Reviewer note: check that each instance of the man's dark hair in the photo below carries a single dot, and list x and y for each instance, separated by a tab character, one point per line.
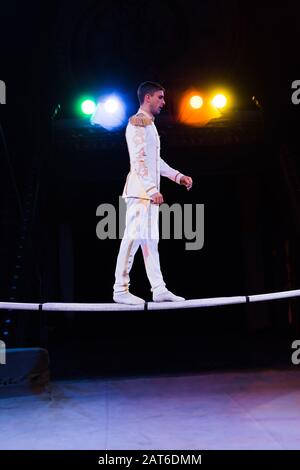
148	87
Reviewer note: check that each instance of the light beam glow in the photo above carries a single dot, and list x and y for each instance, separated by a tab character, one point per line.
219	101
109	113
88	107
196	102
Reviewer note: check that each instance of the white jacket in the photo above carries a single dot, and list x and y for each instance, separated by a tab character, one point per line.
146	165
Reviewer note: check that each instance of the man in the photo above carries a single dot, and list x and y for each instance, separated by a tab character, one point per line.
142	196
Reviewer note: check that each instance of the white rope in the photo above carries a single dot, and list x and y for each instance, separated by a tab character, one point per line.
113	307
18	306
275	295
52	307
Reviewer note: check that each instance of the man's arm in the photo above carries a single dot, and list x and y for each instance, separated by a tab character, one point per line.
174	175
168	172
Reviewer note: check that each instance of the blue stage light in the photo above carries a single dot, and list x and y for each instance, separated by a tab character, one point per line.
109	113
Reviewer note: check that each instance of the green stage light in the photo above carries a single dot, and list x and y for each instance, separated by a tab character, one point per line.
88	107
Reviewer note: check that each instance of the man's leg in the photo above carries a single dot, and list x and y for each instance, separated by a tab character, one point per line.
128	248
149	245
152	265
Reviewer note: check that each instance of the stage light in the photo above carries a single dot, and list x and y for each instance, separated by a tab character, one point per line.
88	107
195	108
109	113
196	102
219	101
111	105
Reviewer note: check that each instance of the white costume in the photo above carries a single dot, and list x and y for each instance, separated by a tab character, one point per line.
142	182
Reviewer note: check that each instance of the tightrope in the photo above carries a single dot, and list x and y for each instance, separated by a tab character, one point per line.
113	307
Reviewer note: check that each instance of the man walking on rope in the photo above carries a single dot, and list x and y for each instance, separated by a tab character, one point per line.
142	196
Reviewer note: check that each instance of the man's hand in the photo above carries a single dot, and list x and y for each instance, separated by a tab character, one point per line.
187	182
157	198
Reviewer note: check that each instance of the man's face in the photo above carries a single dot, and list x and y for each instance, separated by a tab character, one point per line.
156	102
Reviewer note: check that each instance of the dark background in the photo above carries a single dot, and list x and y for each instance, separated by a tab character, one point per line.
56	170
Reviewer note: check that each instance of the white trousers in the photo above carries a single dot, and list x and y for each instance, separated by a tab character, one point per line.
141	229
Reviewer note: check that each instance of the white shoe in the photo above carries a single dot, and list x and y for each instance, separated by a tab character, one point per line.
127	298
167	296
